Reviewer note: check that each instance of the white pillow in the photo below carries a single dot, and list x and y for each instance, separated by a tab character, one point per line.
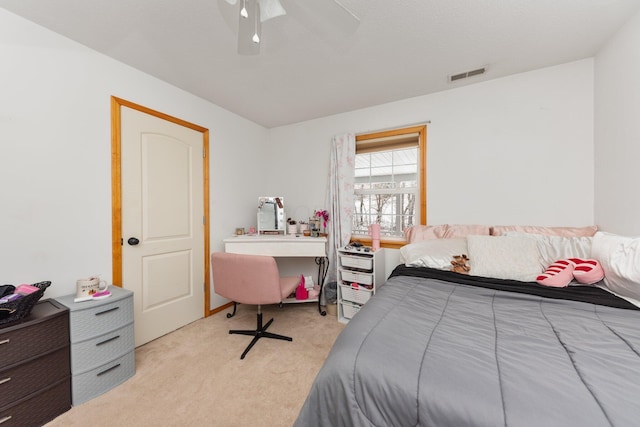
504	257
554	248
620	259
433	253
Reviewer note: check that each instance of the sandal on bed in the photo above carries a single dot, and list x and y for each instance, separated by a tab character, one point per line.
588	271
559	274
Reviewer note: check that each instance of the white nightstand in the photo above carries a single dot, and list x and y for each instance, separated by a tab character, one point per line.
360	272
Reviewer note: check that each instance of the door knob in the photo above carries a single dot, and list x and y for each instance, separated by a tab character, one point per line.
133	241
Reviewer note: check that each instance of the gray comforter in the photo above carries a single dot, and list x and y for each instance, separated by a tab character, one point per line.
429	352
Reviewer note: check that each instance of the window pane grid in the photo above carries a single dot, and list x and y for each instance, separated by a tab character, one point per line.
385	191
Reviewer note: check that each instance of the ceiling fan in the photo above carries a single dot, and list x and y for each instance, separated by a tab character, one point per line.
251	14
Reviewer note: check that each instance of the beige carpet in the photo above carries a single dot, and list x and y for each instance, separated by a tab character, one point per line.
194	376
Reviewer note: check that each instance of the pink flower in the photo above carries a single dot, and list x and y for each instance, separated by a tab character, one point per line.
324	215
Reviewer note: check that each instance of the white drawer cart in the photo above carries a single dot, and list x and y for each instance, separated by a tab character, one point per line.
102	343
360	273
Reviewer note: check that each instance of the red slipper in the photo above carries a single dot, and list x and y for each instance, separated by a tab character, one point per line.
588	272
559	274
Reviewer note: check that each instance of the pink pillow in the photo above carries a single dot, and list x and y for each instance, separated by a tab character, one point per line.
418	233
464	230
558	275
562	272
588	271
499	230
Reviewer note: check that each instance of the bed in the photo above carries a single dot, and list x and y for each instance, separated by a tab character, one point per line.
438	348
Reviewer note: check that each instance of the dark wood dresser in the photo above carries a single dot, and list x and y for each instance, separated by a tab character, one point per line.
35	370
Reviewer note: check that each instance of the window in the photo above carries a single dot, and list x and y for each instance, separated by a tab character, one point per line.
390	181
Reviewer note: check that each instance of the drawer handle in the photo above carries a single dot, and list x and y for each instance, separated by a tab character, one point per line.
108	340
108	370
5	341
107	311
5	419
5	380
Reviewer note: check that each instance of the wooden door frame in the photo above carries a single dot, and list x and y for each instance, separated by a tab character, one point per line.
116	190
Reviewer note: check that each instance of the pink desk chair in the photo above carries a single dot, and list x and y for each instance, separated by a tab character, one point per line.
251	279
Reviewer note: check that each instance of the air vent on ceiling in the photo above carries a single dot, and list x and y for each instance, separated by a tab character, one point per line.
460	76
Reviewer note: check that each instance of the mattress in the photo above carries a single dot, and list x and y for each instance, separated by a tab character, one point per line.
436	348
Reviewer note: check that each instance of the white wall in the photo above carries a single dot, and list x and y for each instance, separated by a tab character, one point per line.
55	164
514	150
617	131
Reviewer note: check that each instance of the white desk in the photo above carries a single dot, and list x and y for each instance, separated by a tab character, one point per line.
277	246
284	246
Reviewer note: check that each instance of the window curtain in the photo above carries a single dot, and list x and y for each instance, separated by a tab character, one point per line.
339	200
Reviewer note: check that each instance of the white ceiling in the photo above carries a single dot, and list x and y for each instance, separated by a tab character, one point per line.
308	68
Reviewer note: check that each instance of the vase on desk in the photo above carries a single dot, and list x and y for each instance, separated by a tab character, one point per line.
374	232
292	228
314	225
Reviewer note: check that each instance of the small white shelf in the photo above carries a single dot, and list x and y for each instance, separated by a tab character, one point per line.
296	301
360	274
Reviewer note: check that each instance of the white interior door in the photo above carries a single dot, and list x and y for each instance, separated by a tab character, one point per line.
162	222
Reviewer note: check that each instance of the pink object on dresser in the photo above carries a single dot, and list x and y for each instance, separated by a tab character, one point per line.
26	289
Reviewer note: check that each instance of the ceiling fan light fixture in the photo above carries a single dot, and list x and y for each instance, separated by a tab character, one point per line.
270	9
249	30
256	37
243	11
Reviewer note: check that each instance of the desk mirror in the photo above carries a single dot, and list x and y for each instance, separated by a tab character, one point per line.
271	214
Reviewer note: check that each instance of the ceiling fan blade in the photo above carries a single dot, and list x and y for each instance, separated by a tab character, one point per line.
270	9
328	19
342	17
322	16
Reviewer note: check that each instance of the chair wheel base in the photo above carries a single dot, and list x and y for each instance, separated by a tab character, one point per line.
259	332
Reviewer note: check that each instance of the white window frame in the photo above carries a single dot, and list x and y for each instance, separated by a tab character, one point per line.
383	141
